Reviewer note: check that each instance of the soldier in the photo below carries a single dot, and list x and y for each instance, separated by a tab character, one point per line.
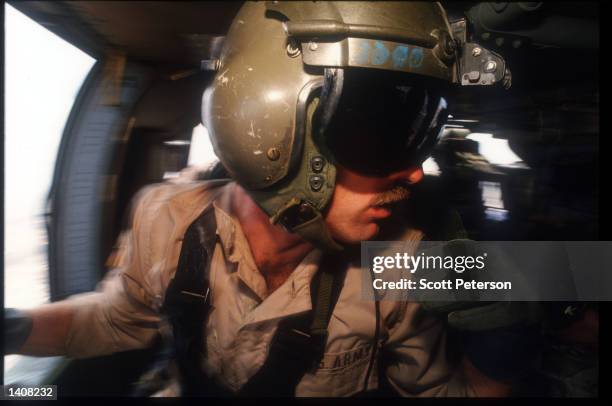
321	113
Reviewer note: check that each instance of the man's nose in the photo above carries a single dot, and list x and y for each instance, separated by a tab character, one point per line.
410	175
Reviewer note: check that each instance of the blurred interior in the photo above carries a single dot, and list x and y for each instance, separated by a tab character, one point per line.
518	164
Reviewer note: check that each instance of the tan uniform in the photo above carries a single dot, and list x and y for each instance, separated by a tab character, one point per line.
124	313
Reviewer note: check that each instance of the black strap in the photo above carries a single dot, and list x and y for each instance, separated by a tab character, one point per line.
187	304
299	342
296	348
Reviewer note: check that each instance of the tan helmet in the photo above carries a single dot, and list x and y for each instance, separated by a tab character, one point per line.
291	76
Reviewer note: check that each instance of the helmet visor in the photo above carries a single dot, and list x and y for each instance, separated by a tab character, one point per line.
384	121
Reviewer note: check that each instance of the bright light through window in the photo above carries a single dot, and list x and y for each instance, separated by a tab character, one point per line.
43	74
430	167
495	150
201	153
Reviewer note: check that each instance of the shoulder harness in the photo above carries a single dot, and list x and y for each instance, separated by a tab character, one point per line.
296	348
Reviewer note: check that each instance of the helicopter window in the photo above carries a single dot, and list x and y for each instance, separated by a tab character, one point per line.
43	74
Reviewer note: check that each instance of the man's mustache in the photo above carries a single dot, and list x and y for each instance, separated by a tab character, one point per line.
398	193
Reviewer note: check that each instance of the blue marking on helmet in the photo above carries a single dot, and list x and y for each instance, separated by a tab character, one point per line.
380	55
400	56
416	57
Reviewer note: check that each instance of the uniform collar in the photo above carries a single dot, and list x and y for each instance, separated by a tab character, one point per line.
238	253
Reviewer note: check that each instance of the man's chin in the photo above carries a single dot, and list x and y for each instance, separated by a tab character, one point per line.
364	233
373	233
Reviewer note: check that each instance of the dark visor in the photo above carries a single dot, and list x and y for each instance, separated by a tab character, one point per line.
384	121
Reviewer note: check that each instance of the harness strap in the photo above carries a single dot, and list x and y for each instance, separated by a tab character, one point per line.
322	306
296	348
187	304
299	342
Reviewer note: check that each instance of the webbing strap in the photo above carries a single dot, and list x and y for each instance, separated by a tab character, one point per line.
299	342
296	348
187	305
322	306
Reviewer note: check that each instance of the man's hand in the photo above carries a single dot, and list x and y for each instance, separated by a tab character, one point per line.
583	331
482	385
499	339
50	325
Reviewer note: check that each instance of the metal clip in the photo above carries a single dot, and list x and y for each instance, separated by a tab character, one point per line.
479	66
203	297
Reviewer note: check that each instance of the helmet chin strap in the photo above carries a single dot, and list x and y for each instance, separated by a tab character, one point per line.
298	203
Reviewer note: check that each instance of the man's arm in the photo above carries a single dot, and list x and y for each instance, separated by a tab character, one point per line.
120	315
50	326
418	360
91	324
